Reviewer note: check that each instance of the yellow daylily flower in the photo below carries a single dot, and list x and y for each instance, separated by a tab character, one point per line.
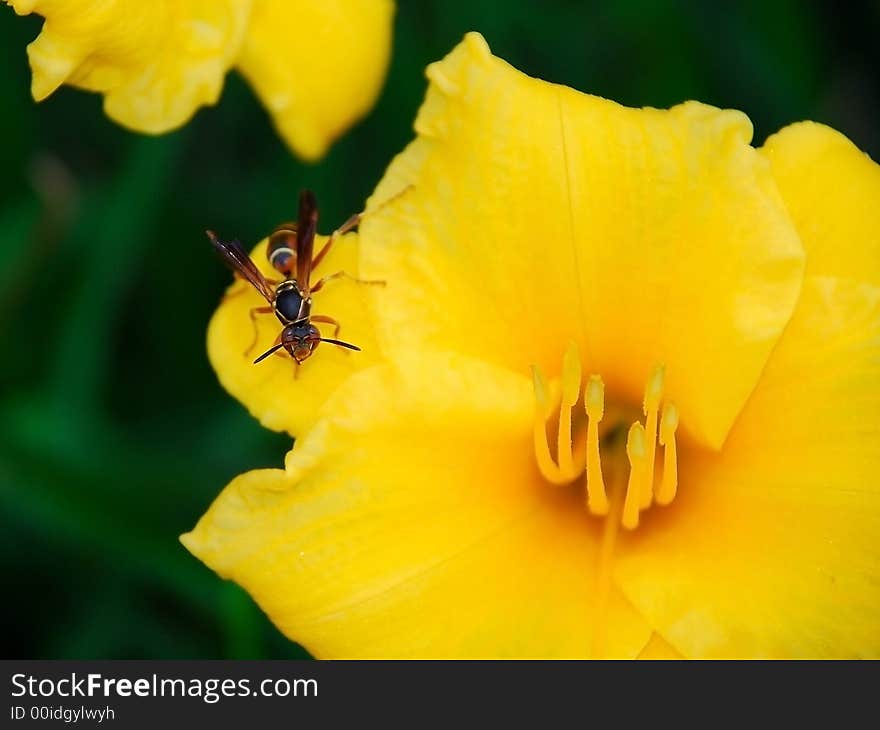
626	400
317	67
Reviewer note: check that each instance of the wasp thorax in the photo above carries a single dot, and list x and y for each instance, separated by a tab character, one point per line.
290	306
300	340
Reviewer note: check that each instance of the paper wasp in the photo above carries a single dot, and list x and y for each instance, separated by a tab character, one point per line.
290	250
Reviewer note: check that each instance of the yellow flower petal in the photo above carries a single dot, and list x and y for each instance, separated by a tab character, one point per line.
155	62
770	548
657	648
540	215
317	66
832	191
268	389
412	523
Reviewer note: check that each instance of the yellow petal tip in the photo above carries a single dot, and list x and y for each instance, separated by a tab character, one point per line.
477	45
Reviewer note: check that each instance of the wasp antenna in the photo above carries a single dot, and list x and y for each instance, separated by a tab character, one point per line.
267	353
342	344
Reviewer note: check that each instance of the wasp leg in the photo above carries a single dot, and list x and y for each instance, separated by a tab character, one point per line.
253	315
324	319
343	274
343	229
349	225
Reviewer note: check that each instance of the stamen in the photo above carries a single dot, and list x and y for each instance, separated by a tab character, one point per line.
650	406
543	410
594	402
636	452
544	407
564	466
669	483
571	390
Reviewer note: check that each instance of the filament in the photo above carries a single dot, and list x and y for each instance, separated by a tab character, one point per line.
669	482
594	402
650	406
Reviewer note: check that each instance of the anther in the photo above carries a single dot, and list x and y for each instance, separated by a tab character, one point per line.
636	453
594	402
650	406
669	483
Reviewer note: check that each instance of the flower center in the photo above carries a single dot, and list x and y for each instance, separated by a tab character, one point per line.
583	455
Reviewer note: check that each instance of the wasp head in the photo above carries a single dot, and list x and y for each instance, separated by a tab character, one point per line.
300	340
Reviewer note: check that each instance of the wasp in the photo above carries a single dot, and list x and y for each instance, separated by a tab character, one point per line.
290	252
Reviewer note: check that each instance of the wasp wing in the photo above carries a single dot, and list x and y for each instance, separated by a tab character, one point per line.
237	259
307	225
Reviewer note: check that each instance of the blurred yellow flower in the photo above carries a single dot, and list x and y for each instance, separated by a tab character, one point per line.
625	399
316	66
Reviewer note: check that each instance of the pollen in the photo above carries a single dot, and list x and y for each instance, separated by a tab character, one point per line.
584	451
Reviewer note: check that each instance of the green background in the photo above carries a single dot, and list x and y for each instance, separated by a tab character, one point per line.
114	434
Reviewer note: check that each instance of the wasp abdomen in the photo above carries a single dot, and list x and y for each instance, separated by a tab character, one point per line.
282	247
